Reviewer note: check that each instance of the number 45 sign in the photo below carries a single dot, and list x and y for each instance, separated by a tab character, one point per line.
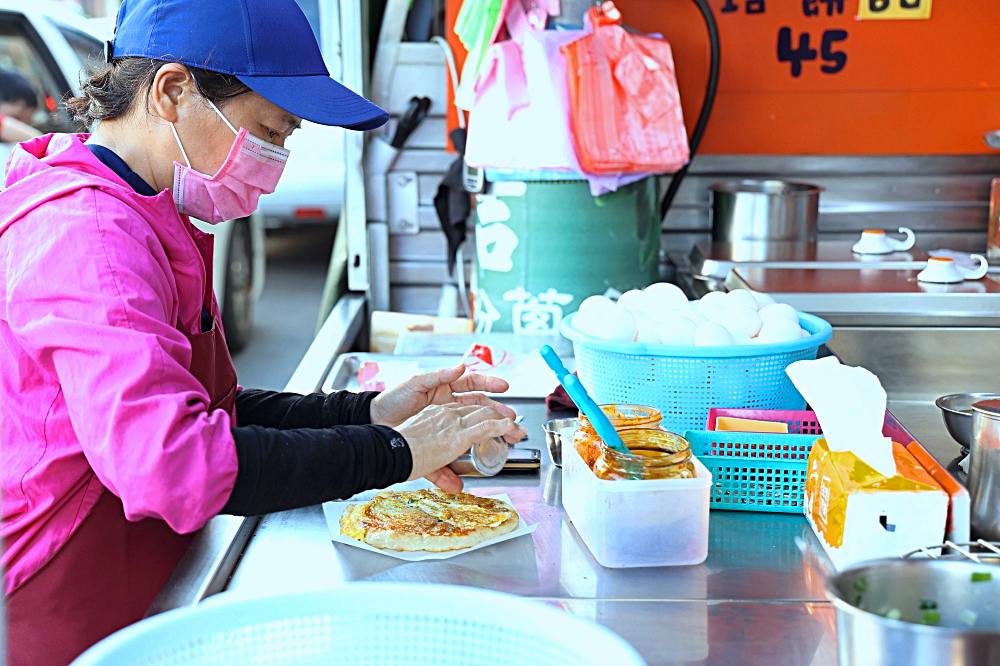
893	9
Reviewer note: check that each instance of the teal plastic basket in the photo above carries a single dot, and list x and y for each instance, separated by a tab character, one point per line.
683	382
754	471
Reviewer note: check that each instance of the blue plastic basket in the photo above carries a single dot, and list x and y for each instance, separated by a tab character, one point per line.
683	382
754	471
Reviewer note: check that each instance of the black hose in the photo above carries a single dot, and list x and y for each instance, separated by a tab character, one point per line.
706	107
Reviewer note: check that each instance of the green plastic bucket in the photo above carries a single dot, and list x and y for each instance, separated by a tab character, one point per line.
544	246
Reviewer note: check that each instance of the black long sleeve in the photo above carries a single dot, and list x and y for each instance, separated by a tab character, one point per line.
274	409
287	469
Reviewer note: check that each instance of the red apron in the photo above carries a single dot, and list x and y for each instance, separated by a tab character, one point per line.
108	573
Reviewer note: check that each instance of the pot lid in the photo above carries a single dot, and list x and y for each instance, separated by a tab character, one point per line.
989	408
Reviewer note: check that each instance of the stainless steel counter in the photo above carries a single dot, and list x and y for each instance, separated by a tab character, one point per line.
757	599
828	280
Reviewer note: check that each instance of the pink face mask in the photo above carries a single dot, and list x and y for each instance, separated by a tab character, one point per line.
252	168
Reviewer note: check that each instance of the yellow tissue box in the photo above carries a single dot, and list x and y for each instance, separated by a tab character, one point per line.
859	514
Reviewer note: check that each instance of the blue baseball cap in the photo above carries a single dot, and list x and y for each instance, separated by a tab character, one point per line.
266	44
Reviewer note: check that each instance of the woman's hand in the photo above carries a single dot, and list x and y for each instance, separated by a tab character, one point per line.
439	434
443	387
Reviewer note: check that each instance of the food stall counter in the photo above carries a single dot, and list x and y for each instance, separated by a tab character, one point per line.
758	596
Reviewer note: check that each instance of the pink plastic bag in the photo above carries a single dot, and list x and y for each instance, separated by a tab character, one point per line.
520	117
625	106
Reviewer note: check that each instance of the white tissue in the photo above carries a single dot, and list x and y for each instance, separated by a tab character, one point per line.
850	405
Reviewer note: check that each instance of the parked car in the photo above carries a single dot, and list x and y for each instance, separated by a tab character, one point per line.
50	45
312	187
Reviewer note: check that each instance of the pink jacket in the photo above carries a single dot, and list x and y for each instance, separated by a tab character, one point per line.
95	387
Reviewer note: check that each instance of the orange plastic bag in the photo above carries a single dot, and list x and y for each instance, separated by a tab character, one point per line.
625	108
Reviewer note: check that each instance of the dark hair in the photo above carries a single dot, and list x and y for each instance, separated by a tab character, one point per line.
15	88
110	91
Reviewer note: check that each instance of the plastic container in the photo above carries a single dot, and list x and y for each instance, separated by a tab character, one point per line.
683	382
367	624
626	523
758	471
754	471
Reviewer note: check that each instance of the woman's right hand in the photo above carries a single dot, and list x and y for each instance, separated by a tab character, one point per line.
439	434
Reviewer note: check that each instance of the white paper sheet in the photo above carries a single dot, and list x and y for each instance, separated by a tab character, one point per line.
334	510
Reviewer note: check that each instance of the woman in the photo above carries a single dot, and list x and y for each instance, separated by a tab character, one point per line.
122	426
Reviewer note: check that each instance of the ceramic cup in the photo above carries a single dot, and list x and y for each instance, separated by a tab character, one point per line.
876	241
944	270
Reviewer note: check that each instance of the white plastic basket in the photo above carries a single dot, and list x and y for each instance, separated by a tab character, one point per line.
367	624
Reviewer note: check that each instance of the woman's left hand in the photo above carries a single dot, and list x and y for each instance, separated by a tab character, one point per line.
451	385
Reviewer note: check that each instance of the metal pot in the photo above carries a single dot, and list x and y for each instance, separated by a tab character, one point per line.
984	469
764	210
965	595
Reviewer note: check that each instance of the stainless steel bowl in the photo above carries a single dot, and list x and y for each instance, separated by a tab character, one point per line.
917	612
957	411
557	433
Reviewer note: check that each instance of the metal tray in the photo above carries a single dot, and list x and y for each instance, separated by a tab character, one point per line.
343	374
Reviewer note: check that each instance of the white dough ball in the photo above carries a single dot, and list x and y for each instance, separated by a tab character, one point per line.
665	295
778	330
647	328
712	335
695	316
677	331
805	333
595	314
739	339
633	301
619	325
743	298
779	312
761	298
744	321
713	300
597	305
718	314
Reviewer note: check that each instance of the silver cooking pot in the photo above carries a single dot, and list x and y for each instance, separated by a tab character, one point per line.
984	469
764	210
917	612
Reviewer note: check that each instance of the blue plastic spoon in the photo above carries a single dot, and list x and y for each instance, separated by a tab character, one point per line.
578	394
